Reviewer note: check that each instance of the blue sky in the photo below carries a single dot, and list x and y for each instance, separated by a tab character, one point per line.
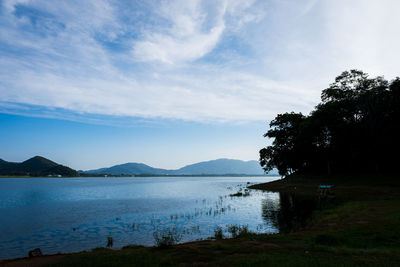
168	83
167	144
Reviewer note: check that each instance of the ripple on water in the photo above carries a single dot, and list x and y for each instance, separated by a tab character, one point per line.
68	215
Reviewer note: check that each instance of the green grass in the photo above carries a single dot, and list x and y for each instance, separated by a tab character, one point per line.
364	225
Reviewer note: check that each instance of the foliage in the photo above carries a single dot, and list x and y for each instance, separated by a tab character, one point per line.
354	129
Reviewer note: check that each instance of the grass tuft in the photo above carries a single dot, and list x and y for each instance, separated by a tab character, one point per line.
167	237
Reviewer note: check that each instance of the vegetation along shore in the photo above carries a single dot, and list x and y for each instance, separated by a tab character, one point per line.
358	227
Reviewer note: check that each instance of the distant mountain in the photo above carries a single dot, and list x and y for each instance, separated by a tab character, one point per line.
36	166
221	167
6	165
129	169
213	167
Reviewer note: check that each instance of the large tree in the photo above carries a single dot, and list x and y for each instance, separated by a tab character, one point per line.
354	129
285	149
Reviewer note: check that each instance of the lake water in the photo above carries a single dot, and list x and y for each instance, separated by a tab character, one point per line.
75	214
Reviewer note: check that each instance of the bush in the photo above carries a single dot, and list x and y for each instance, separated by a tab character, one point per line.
234	230
167	237
238	231
218	234
244	231
110	241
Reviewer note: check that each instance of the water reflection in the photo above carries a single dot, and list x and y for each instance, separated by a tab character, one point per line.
293	211
80	214
193	207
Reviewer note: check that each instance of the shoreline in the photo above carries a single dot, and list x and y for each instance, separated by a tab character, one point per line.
362	229
141	176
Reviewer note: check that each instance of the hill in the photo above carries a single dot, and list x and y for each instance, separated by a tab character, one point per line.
36	166
129	169
213	167
221	167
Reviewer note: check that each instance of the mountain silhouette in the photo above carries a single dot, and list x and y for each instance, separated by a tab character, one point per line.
212	167
36	166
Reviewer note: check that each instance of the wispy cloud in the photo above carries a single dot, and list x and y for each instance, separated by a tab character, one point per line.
189	35
204	61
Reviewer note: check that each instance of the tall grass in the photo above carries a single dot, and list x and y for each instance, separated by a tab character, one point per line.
218	233
110	241
167	237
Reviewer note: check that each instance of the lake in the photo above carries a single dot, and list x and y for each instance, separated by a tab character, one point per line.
75	214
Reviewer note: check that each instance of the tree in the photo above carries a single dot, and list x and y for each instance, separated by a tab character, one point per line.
285	129
354	129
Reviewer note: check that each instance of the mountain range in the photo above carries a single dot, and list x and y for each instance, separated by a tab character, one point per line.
36	166
212	167
40	166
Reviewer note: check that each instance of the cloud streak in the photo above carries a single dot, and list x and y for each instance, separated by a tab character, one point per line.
225	61
186	38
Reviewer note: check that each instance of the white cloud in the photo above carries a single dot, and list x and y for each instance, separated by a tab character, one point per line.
308	7
176	65
232	96
187	38
364	34
168	49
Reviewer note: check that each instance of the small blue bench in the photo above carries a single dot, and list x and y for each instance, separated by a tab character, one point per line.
326	186
327	191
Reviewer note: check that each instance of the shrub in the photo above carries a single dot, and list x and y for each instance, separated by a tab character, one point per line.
167	237
218	234
234	230
238	231
244	231
110	241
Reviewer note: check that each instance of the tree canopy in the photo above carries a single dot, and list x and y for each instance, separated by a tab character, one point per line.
355	128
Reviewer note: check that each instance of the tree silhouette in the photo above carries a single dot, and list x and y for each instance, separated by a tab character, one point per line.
355	128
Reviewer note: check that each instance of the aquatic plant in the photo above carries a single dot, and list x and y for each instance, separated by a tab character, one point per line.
238	231
238	194
167	237
233	230
244	231
110	241
218	233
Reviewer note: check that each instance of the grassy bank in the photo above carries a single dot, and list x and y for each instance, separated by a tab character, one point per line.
363	229
347	187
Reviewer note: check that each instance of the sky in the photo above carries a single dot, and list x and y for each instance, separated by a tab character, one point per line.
91	84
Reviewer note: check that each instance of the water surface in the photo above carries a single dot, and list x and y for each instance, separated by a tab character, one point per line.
75	214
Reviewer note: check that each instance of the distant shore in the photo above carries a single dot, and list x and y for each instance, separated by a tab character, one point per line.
139	175
11	176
